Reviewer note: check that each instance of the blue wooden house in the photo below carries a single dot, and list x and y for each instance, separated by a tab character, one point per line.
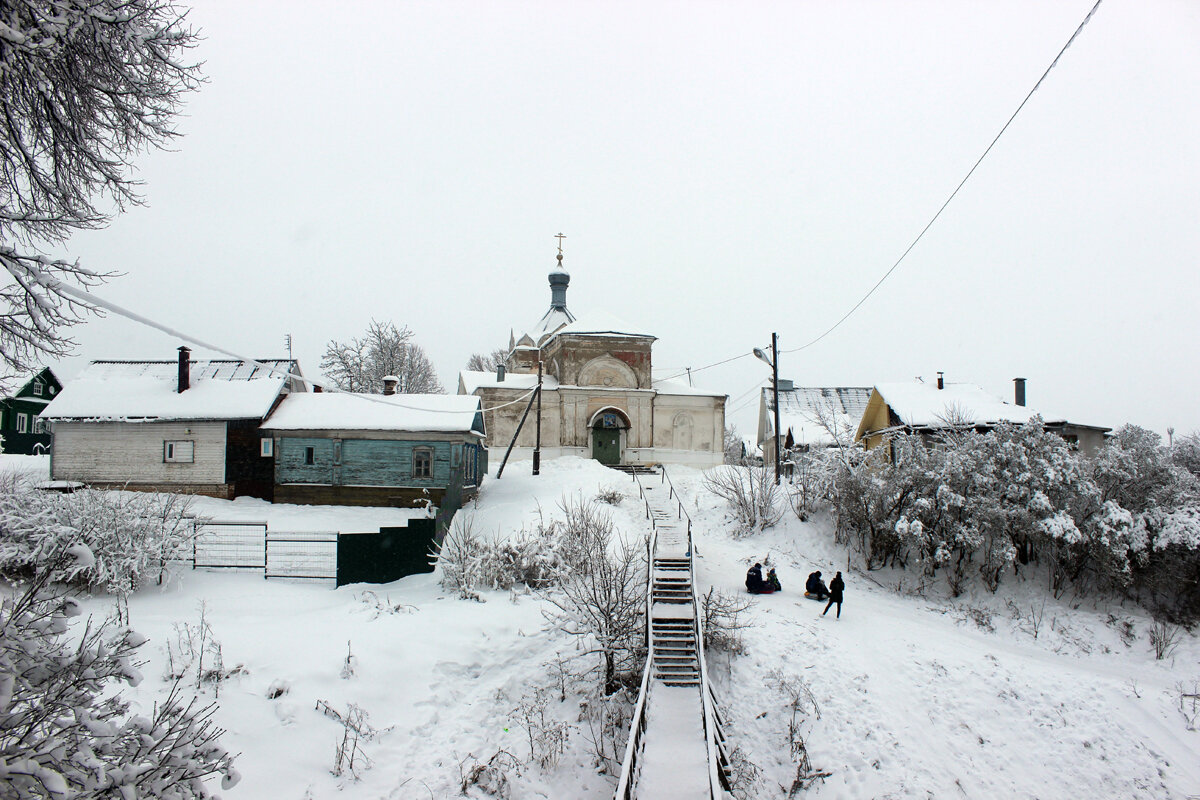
22	428
377	450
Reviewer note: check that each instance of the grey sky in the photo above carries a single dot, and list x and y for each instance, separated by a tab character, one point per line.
721	170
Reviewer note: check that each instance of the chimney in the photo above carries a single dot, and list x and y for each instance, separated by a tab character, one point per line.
185	369
499	373
1020	391
941	382
389	384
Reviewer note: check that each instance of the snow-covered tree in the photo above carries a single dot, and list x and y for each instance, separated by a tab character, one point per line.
478	362
360	365
85	85
64	731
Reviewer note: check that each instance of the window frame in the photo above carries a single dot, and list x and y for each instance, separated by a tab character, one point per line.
266	447
416	472
310	456
37	389
171	454
22	422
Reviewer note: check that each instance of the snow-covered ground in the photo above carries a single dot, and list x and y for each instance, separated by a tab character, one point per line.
918	696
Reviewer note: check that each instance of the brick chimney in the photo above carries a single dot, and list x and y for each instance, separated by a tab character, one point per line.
389	384
185	369
499	373
1020	391
941	382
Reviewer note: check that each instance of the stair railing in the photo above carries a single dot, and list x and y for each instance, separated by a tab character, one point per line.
645	501
679	500
637	726
718	781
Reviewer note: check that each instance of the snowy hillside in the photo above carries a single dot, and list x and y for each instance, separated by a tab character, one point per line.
1006	695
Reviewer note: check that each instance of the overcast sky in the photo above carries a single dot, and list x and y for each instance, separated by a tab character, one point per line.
721	170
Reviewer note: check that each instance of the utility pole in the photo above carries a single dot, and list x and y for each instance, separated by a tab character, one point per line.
773	361
775	391
537	445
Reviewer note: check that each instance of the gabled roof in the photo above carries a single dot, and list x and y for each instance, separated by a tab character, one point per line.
376	412
601	323
920	405
470	380
20	384
147	390
806	411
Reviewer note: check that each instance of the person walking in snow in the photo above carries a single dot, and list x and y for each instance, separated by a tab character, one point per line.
836	586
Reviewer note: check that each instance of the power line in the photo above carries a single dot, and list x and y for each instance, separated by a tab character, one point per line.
961	183
934	219
93	302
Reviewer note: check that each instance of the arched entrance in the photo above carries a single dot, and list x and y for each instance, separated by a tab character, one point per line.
608	430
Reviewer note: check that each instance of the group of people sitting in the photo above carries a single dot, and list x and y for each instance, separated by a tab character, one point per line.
757	584
814	587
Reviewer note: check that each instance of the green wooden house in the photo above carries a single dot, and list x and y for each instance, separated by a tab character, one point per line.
21	425
377	450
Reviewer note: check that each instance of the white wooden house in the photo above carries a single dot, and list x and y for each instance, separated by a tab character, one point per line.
180	426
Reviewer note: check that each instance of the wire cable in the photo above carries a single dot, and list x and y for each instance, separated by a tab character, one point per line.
961	183
95	303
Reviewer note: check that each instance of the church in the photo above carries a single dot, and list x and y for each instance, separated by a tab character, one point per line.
599	399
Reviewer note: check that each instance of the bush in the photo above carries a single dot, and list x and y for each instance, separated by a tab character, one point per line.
750	492
65	732
131	535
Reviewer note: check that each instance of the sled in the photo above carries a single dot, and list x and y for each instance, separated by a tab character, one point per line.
812	596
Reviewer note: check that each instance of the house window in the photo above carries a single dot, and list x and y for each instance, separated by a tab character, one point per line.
456	455
266	447
423	462
37	389
22	423
469	471
180	452
39	425
310	456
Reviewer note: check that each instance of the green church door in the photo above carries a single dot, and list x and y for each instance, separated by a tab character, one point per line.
606	445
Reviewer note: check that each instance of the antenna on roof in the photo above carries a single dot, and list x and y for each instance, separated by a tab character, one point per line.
287	340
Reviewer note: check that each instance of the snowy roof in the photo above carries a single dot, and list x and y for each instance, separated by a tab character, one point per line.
470	380
924	405
147	390
678	387
601	323
553	319
320	411
805	410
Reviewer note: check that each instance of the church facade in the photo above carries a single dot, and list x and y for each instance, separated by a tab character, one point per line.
599	397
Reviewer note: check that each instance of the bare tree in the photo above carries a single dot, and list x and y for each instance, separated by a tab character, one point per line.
360	365
84	86
478	362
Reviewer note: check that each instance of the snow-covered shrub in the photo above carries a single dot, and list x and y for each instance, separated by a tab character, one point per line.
131	535
977	505
546	735
751	493
64	732
610	495
605	603
196	654
722	622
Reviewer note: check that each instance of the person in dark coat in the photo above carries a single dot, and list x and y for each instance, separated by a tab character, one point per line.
815	586
773	581
754	579
836	587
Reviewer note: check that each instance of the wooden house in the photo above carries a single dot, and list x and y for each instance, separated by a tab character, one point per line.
22	427
377	449
809	417
177	426
929	410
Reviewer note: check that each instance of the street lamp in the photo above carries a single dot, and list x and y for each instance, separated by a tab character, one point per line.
773	362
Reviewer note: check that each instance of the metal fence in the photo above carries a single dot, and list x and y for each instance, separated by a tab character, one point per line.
251	546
